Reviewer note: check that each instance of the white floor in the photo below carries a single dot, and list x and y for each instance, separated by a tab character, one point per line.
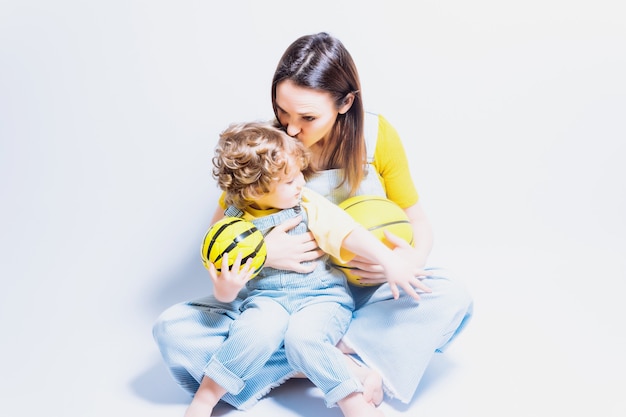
512	116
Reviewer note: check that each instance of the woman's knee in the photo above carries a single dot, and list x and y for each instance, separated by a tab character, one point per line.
456	293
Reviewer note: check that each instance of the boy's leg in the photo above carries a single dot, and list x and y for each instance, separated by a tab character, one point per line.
253	337
189	333
310	341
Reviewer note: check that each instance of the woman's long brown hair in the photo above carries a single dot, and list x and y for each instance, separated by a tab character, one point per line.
321	62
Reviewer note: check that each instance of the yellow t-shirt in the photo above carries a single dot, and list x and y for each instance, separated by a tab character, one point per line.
329	224
392	166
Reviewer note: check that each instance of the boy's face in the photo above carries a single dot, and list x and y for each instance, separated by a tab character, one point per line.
285	193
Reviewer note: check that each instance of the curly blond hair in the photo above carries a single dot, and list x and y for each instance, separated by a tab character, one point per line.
250	156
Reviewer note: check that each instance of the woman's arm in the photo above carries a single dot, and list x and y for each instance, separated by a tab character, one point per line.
291	252
285	251
422	234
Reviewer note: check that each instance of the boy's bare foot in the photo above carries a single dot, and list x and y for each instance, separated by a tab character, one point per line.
198	409
205	399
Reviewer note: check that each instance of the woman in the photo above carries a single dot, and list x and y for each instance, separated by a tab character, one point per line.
316	99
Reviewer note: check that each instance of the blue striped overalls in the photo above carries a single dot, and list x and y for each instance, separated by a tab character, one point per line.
308	312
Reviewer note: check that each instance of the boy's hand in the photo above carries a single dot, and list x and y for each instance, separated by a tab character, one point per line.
228	282
409	286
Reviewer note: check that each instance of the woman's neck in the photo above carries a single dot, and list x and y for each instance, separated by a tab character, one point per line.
318	159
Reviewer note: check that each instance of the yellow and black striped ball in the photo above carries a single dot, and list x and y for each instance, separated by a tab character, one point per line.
376	214
233	235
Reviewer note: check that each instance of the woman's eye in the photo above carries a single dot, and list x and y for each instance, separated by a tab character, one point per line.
309	118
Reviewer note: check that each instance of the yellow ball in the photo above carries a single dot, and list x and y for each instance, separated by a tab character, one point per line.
233	235
376	214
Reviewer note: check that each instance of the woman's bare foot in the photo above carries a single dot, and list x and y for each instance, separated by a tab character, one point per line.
371	380
344	347
354	405
373	388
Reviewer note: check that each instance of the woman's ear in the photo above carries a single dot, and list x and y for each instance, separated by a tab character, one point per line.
347	103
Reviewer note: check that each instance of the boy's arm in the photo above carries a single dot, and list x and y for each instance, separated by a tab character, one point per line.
398	271
342	237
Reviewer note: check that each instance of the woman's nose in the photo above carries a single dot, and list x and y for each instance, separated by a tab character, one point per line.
292	130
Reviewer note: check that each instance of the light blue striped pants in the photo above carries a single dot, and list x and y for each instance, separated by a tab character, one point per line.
309	319
398	338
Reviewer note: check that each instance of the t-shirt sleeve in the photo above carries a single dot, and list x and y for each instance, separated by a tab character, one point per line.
329	224
222	200
391	163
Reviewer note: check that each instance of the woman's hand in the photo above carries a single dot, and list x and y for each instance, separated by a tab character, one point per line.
229	281
288	252
372	274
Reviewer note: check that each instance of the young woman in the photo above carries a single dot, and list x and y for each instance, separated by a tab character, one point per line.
316	99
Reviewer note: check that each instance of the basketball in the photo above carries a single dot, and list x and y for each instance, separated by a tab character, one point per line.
376	214
233	235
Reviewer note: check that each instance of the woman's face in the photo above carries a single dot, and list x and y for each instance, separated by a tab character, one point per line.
306	114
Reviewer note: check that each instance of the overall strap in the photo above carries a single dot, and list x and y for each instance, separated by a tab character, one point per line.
371	134
267	223
232	211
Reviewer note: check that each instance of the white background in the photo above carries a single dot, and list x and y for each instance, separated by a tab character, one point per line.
513	116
